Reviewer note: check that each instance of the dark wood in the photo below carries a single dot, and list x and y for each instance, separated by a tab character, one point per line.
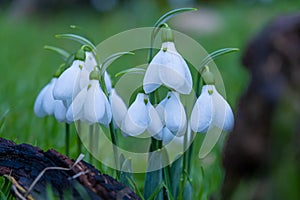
24	163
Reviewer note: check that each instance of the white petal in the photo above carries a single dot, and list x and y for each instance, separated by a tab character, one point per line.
137	117
60	111
94	105
174	72
160	108
201	116
175	116
151	79
84	78
223	116
155	125
106	119
167	136
90	61
108	83
38	108
48	100
75	110
118	107
67	85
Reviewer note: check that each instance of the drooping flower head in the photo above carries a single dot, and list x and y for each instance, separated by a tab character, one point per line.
211	109
91	105
46	105
168	68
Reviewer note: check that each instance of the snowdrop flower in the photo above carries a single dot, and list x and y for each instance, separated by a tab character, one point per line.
172	115
156	124
90	64
211	109
118	108
137	118
67	85
60	112
168	68
90	105
45	103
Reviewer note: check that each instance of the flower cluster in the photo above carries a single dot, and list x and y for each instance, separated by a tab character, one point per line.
76	94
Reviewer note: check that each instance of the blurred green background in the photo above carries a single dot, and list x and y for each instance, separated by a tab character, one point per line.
25	67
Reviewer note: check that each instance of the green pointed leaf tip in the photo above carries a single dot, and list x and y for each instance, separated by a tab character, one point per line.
212	56
132	71
63	53
163	19
77	38
112	58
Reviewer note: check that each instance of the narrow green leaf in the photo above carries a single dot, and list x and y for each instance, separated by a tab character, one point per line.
112	58
2	119
126	173
212	56
77	38
175	174
82	191
131	71
156	193
136	189
49	192
163	19
63	53
188	191
154	179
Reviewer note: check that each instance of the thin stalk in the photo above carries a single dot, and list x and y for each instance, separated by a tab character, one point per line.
190	153
183	178
67	139
114	141
91	143
78	138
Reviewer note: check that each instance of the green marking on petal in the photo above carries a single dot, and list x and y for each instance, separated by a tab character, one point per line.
210	92
89	86
165	49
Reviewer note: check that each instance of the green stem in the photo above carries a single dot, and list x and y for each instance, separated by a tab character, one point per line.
78	138
91	143
190	153
114	141
67	140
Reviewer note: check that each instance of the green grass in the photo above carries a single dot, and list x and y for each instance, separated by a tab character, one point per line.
25	67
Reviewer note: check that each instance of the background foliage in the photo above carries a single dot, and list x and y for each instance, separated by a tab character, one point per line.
25	67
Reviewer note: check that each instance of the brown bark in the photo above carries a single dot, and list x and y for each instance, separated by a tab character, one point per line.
24	162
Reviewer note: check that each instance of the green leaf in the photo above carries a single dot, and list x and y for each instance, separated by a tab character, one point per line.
126	172
212	56
131	71
154	179
63	53
112	58
157	193
188	191
163	19
175	174
210	140
77	38
2	119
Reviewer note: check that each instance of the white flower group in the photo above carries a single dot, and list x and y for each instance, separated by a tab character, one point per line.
73	96
77	95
